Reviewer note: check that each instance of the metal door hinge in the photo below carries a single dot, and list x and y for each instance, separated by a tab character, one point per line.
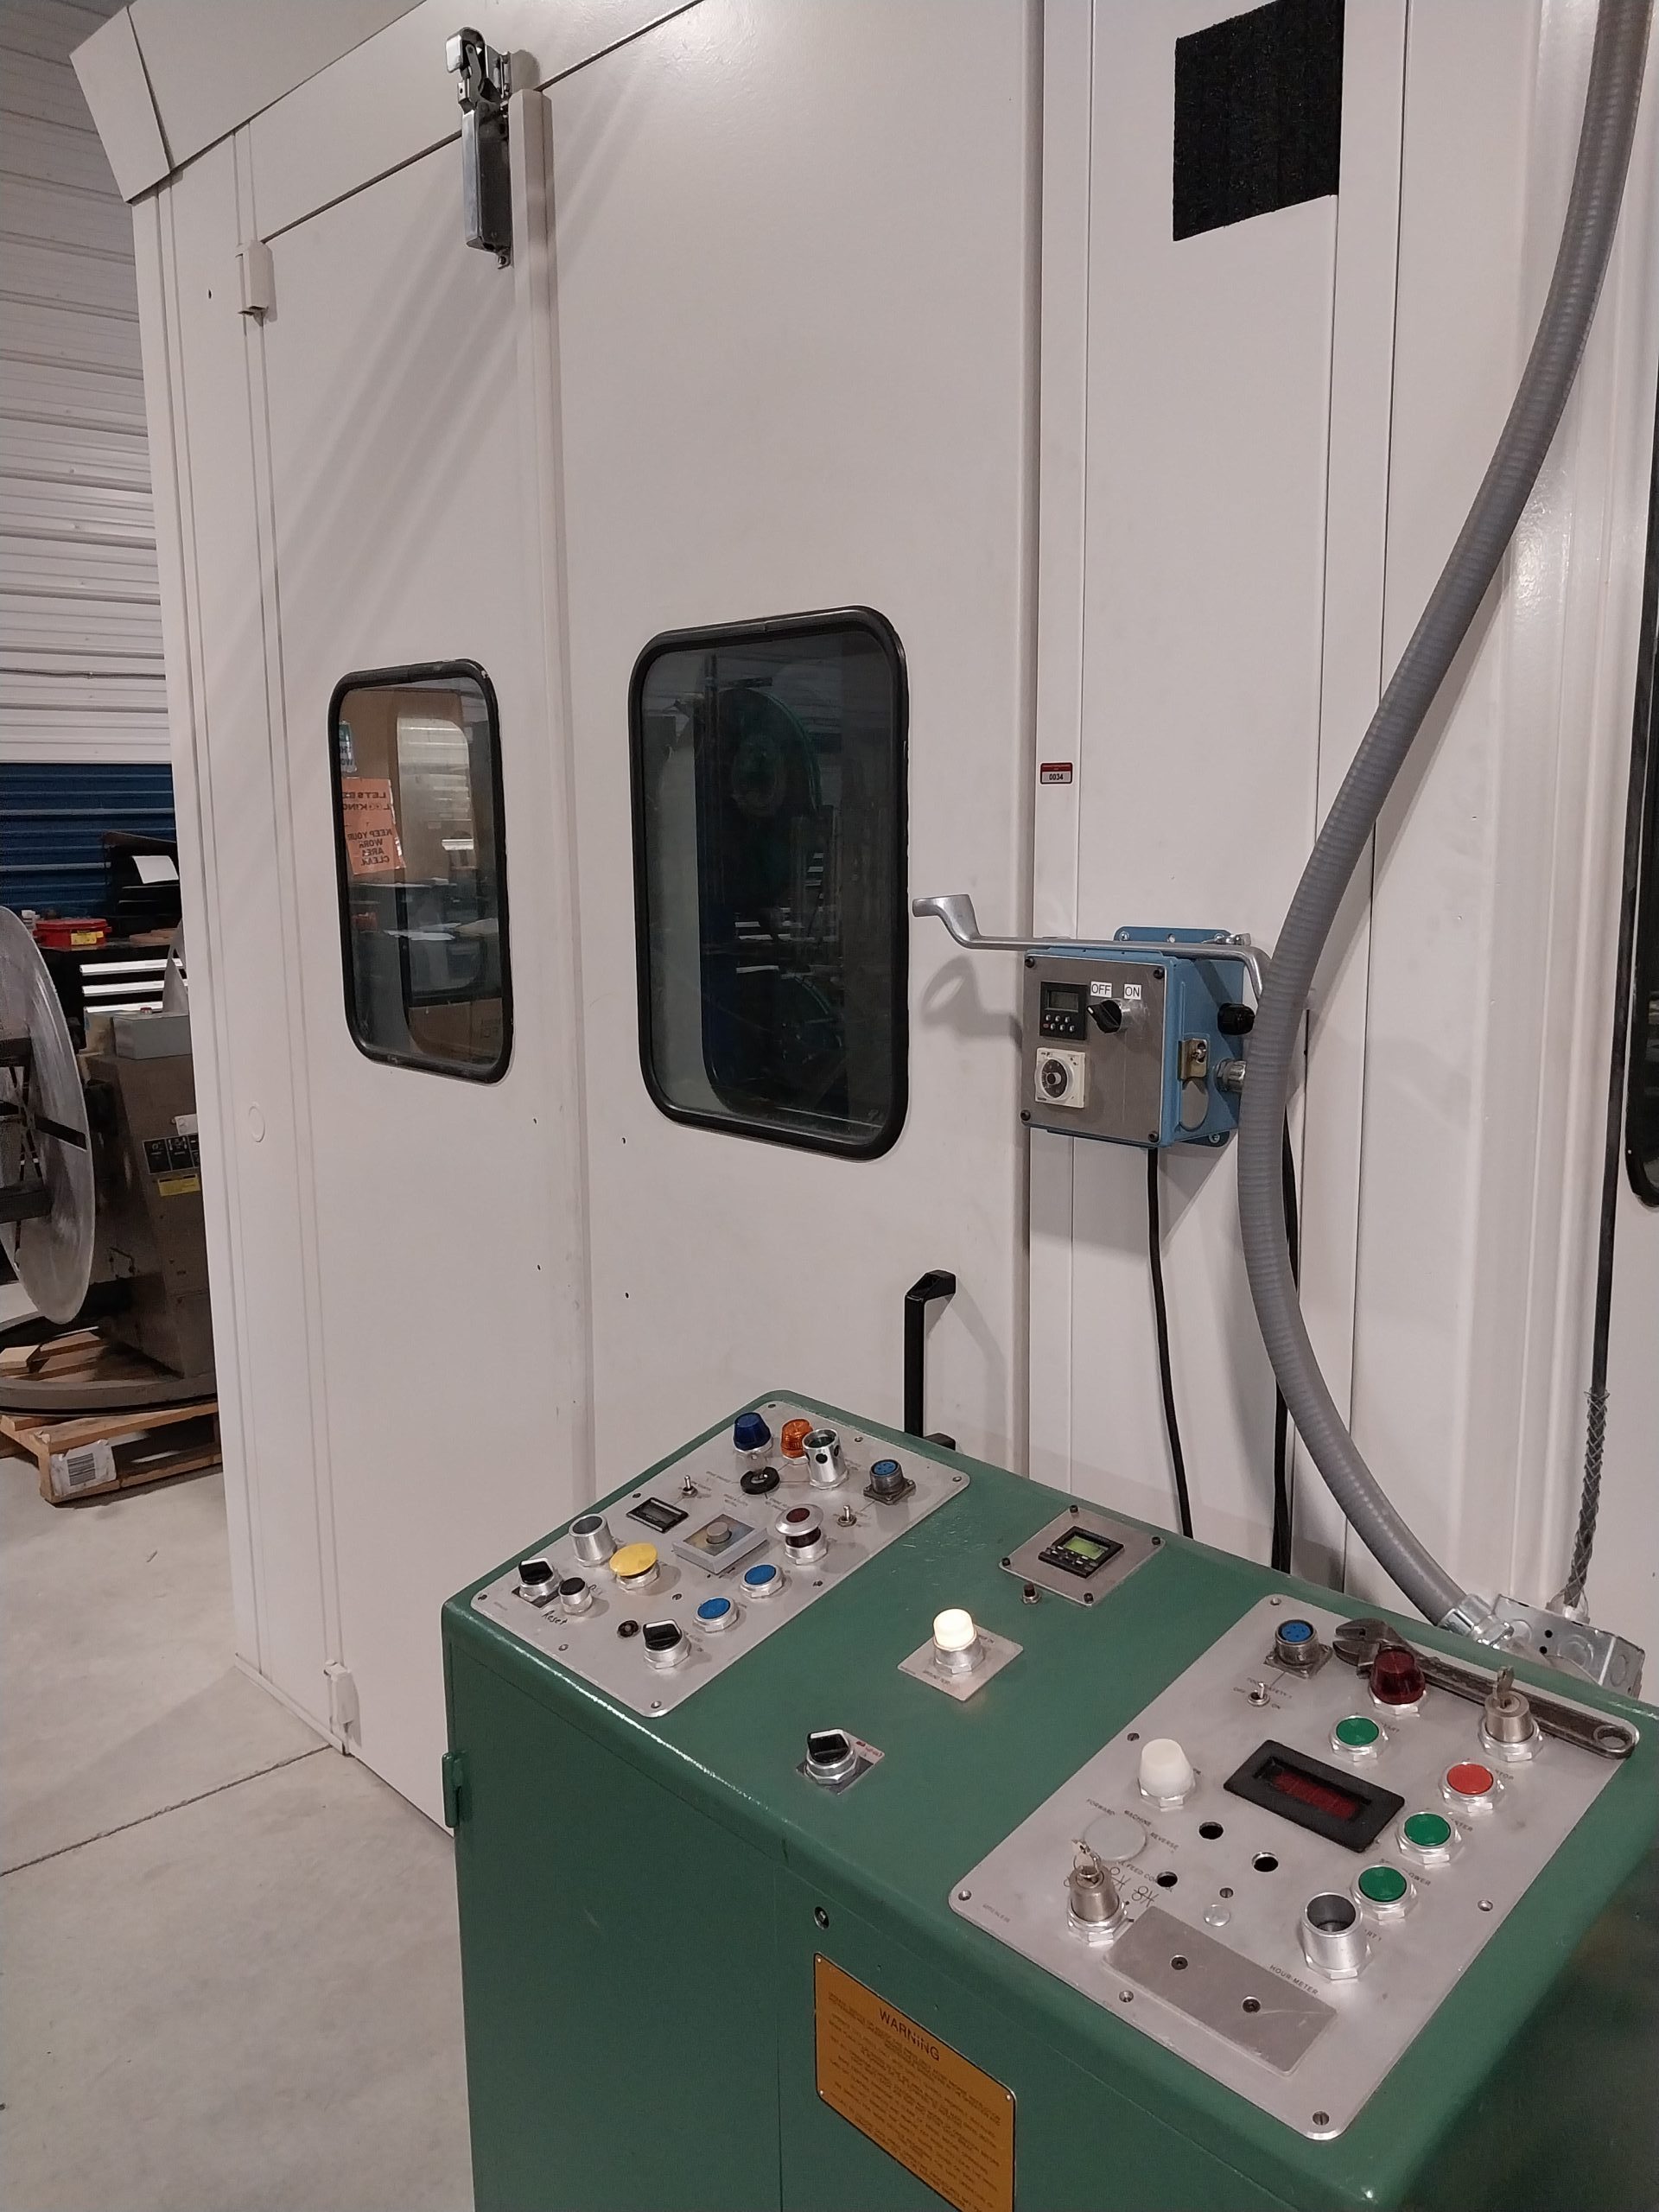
485	80
255	278
455	1789
342	1701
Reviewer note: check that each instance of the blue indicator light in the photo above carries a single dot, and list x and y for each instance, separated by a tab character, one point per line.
714	1609
1295	1631
750	1433
757	1577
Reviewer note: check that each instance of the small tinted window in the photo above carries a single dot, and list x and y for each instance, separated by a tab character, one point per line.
769	851
417	768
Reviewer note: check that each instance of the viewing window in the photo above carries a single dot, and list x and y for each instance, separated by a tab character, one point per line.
769	874
417	766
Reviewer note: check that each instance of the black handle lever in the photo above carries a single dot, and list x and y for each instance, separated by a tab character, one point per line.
935	1284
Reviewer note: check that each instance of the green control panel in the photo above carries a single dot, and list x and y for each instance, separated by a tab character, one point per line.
1130	1885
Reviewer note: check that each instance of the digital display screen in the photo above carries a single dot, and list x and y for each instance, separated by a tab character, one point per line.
1086	1547
656	1514
1286	1781
1062	998
1079	1551
1298	1788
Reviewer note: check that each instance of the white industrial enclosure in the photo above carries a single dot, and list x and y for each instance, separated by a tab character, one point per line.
818	305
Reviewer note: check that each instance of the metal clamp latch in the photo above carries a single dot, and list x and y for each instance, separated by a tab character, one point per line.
485	80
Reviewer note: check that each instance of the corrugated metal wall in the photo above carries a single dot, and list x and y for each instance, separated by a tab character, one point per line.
53	816
80	631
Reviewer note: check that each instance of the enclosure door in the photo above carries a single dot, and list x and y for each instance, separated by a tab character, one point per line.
448	1291
792	251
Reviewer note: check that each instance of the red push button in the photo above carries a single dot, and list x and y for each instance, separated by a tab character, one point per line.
1469	1779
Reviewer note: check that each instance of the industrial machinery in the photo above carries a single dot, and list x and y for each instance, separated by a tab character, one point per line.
100	1183
841	1822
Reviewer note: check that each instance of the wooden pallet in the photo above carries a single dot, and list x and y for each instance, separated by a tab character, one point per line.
89	1455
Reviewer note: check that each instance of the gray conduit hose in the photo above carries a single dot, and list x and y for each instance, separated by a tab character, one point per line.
1586	240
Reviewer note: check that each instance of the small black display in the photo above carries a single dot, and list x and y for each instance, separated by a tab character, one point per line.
1080	1551
1061	1011
1315	1796
656	1513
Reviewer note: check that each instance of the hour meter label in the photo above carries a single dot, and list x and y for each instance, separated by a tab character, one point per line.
923	2103
1054	772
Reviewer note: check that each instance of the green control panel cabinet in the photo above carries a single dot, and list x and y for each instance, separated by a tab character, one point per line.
811	1854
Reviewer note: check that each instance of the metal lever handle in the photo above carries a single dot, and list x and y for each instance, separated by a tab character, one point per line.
937	1283
955	910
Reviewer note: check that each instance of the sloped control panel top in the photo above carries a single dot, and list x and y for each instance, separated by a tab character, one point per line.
651	1597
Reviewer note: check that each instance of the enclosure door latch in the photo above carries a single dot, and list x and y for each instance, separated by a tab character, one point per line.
485	80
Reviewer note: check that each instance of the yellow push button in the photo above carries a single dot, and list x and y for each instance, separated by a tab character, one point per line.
634	1564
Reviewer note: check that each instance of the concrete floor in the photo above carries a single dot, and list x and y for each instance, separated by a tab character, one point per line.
231	1977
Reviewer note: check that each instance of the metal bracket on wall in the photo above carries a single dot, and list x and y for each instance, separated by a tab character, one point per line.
486	80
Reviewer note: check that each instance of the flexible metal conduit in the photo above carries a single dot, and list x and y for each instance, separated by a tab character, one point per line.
1586	240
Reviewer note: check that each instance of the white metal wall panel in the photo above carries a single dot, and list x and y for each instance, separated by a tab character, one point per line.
80	638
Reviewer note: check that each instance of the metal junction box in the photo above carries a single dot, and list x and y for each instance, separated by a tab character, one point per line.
1139	1041
1193	1888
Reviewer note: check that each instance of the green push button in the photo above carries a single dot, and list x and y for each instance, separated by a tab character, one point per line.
1429	1831
1383	1884
1357	1733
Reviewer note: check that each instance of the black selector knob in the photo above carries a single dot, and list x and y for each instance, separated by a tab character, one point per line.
665	1644
829	1755
757	1481
1107	1016
1234	1019
537	1580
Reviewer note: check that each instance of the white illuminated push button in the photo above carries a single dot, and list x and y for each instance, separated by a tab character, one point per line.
956	1647
1167	1774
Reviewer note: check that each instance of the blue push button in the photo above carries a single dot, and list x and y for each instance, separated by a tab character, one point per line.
714	1609
750	1433
761	1579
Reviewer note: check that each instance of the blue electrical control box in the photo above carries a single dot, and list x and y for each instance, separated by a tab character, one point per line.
1138	1040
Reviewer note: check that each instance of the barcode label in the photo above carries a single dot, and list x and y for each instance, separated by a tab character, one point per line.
83	1469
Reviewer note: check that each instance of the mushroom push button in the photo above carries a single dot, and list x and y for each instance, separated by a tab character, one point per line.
635	1565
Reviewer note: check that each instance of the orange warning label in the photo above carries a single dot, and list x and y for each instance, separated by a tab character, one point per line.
924	2104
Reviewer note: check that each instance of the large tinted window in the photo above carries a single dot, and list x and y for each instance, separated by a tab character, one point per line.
422	875
769	873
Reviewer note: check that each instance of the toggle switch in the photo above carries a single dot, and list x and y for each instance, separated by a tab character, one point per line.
1165	1775
956	1647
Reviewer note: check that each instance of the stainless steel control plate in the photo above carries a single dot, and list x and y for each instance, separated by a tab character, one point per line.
1086	1526
589	1644
1219	1882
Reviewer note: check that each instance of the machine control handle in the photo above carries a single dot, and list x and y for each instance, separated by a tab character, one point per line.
937	1283
955	910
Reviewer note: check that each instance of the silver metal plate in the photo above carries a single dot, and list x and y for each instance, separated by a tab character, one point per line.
922	1666
1219	1889
589	1644
1135	1548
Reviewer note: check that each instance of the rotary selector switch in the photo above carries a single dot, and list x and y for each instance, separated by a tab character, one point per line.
1166	1775
576	1596
537	1580
825	1469
802	1531
590	1535
831	1755
665	1645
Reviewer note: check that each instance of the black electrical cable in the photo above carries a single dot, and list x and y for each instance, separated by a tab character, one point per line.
1643	763
1283	1527
1160	1317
